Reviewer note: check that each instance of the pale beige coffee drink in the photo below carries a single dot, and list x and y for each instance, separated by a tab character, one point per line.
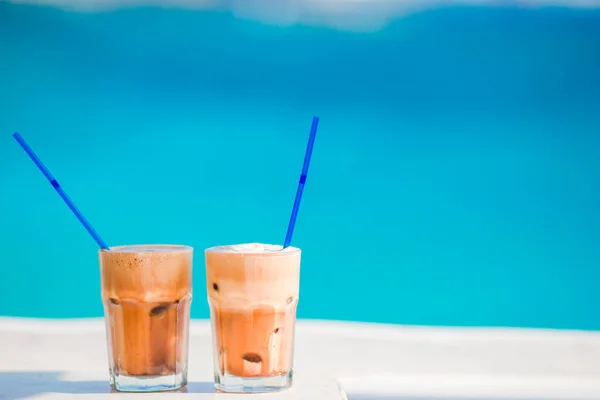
253	294
147	293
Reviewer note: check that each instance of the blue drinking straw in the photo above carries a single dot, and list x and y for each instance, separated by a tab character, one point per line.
60	190
309	149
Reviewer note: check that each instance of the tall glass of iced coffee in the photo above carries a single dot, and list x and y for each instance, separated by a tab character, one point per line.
147	293
253	294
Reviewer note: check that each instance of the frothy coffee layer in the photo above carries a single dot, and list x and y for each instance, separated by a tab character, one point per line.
242	279
146	272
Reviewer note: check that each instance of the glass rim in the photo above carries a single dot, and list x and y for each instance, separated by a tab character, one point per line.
148	248
227	249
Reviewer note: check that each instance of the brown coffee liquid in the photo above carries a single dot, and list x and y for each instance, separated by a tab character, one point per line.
254	343
146	291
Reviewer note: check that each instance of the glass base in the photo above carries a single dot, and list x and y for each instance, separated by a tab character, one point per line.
126	383
236	384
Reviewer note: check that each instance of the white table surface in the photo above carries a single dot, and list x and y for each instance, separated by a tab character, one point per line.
66	359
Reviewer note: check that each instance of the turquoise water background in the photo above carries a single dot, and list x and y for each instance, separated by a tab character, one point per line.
455	178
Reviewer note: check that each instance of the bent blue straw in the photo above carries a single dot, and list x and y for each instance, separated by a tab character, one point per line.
60	190
309	149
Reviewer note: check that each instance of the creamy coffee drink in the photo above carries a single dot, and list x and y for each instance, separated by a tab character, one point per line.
253	293
147	293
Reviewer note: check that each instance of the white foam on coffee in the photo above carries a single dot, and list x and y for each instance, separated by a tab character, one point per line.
252	248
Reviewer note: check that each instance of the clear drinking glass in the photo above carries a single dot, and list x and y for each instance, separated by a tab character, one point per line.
147	293
253	294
